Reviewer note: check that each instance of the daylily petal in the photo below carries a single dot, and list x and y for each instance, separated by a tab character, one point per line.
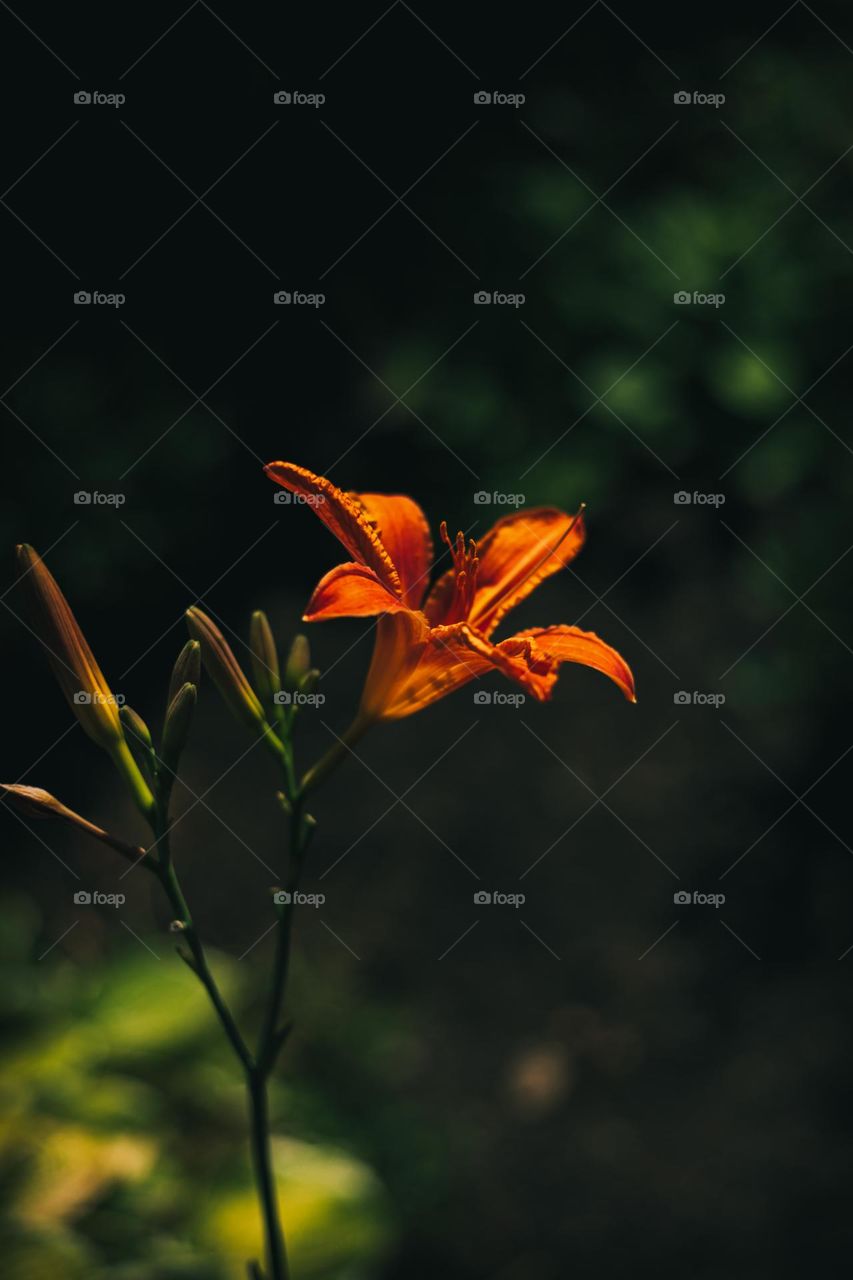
403	530
542	649
342	514
514	557
451	657
350	591
400	641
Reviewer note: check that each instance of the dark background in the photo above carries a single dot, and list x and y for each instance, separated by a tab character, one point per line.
601	1081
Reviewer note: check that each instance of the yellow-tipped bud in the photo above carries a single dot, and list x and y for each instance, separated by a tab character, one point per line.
264	658
224	670
36	803
187	669
135	728
177	726
73	662
298	662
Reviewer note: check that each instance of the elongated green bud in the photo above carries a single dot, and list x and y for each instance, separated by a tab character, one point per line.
298	661
138	739
187	669
176	729
225	671
309	681
264	658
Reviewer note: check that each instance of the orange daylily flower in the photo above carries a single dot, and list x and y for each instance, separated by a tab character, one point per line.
431	641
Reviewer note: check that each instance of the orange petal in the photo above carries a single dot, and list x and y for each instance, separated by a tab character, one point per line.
514	557
542	649
350	591
342	514
400	641
403	530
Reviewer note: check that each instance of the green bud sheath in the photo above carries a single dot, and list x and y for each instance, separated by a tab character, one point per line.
225	671
298	662
187	669
264	658
176	729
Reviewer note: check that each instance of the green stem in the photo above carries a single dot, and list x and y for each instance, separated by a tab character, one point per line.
265	1176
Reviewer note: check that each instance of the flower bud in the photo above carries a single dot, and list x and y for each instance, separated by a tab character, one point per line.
298	661
135	728
264	658
187	669
79	676
224	670
309	681
176	728
73	662
36	803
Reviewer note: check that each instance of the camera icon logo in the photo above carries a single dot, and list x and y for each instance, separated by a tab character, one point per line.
282	496
681	898
282	898
82	498
682	698
82	298
681	298
482	698
681	98
482	298
482	897
83	898
283	698
82	698
482	498
282	98
682	498
481	98
82	98
282	298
